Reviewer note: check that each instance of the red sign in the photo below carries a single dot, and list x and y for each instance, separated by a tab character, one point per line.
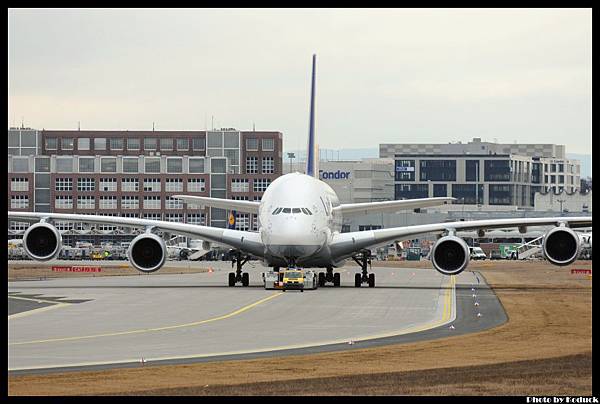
76	269
581	271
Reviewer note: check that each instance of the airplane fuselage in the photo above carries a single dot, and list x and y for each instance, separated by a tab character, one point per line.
297	221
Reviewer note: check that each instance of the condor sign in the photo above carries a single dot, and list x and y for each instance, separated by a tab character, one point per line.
334	175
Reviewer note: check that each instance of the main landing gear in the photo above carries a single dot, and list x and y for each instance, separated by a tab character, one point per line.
238	275
363	259
329	277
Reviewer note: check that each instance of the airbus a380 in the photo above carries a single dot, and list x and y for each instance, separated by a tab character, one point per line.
300	219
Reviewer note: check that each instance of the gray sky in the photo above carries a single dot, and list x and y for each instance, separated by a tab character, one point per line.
383	76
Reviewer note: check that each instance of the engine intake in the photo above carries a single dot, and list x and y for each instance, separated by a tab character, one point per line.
42	241
561	246
450	255
147	252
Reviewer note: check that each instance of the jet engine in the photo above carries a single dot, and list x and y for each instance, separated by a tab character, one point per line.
450	255
42	241
561	246
147	252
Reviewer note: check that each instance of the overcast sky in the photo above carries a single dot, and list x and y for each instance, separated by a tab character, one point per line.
383	76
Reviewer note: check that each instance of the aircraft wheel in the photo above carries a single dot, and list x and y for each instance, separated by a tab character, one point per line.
302	290
321	279
231	279
336	279
245	279
371	280
357	280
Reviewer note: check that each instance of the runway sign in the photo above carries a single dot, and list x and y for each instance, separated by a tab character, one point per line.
76	269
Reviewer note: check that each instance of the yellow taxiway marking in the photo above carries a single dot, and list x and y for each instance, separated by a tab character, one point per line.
449	296
143	330
55	305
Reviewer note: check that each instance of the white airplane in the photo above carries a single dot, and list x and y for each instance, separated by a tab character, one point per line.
300	219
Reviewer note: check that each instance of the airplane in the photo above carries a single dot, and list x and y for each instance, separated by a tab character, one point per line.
300	219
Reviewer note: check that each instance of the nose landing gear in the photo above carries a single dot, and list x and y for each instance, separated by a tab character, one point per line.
238	275
364	259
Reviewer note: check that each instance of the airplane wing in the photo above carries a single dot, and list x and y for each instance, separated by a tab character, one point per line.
243	240
229	204
389	206
344	245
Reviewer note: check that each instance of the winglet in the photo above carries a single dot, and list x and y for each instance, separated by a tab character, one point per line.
310	156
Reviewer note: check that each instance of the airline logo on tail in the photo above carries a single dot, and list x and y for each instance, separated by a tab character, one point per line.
310	159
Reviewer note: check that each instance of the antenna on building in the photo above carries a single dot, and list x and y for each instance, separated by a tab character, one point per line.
253	127
152	126
22	122
78	125
212	122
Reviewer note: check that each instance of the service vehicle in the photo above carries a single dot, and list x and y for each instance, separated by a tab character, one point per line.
477	253
290	279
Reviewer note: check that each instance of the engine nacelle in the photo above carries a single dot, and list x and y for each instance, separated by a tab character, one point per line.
450	255
561	246
147	252
42	241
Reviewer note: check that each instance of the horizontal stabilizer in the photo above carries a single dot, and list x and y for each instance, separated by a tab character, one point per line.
390	206
229	204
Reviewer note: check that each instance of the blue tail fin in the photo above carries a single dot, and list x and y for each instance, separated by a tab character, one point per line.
310	156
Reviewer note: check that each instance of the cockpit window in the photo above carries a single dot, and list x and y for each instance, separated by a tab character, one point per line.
276	211
306	211
287	210
296	210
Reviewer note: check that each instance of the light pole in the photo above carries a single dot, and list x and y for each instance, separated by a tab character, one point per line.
291	156
561	202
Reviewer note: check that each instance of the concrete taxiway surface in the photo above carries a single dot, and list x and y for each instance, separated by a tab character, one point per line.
117	321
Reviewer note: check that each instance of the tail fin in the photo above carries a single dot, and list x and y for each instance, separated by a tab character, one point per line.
310	156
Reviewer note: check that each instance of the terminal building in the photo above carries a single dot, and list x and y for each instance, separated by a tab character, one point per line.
481	173
135	173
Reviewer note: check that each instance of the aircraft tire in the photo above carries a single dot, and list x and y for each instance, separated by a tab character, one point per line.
371	280
336	279
357	280
245	279
321	279
231	279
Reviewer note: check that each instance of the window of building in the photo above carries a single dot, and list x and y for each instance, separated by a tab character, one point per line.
500	194
411	191
99	143
86	202
108	184
496	170
86	184
242	221
172	203
561	179
150	143
405	170
218	182
196	165
196	218
14	138
108	164
166	144
19	184
130	202
41	181
51	143
63	184
19	226
437	170
182	144
233	155
553	168
116	143
252	165
232	140
20	165
440	190
252	144
472	170
215	140
42	164
561	168
133	143
218	166
67	143
151	202
174	185
130	185
268	144
152	165
268	165
553	179
152	216
260	184
240	185
466	194
198	143
108	202
83	143
130	165
19	202
196	185
86	164
64	164
174	165
174	217
151	184
63	202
